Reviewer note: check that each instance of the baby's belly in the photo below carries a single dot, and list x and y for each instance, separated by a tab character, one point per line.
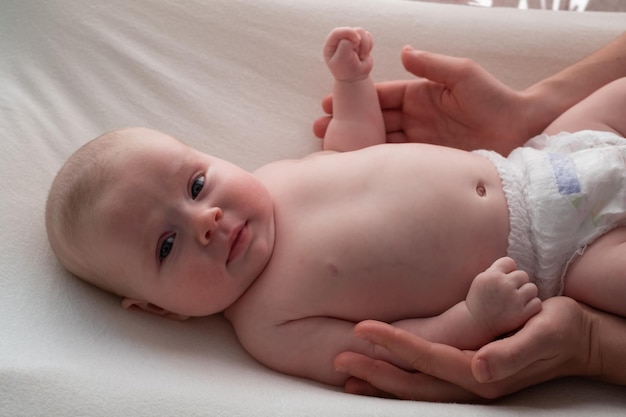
409	251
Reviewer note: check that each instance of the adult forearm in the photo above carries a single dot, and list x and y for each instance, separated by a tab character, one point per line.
550	97
607	354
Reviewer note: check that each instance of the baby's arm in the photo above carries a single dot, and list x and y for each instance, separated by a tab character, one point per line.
603	110
500	300
307	347
357	118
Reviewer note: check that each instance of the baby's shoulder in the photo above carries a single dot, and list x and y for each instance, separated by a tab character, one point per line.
282	165
280	176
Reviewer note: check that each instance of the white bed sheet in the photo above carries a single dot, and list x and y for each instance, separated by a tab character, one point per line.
242	80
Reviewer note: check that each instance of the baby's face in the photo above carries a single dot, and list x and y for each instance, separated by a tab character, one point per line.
181	229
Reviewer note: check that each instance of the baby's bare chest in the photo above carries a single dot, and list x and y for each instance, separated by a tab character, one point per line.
375	240
366	258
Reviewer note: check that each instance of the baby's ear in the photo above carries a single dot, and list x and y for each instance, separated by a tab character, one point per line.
130	304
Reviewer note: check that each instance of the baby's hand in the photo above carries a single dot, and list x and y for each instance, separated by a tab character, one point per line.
347	53
502	298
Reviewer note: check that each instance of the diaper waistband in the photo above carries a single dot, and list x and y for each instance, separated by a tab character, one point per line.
520	246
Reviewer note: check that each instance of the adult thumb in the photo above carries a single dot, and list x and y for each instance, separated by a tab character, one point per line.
442	69
506	357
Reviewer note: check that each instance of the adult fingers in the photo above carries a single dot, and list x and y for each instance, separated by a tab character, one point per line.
397	137
441	361
391	94
320	125
379	378
359	387
327	104
378	373
394	121
446	372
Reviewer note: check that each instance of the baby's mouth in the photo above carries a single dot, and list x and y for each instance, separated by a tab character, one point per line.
238	242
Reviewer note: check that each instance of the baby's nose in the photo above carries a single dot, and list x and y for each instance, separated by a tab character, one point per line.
206	223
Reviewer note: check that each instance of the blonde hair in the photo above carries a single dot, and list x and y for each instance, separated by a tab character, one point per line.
76	189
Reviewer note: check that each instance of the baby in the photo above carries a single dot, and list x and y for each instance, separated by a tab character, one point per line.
297	252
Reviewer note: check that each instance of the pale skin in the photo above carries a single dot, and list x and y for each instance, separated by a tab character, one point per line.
456	103
565	339
294	263
447	107
312	313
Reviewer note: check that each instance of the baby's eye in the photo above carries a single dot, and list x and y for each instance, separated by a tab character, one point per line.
166	248
197	186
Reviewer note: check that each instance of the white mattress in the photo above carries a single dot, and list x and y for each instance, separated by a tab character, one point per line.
242	80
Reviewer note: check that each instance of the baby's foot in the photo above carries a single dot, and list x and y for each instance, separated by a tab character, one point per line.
347	53
502	298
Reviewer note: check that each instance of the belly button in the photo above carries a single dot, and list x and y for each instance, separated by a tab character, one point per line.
481	191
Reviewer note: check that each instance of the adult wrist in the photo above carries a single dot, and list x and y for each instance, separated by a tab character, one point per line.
540	108
589	356
607	346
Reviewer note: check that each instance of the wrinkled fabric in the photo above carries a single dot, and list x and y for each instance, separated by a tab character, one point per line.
563	192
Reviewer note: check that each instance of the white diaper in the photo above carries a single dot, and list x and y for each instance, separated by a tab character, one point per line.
563	192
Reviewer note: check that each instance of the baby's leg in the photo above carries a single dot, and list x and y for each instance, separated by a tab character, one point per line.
603	110
598	276
502	298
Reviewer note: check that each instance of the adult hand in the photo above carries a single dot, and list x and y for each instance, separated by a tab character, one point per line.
457	103
556	342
